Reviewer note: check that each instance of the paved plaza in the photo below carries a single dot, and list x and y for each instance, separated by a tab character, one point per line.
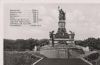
59	61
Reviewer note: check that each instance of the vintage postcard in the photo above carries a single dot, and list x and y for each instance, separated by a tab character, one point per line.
51	34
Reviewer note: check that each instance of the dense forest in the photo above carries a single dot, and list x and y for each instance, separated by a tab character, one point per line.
28	44
22	45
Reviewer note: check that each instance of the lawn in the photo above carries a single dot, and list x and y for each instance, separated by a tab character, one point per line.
19	58
98	61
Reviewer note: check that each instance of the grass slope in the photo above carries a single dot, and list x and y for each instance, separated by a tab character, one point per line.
19	58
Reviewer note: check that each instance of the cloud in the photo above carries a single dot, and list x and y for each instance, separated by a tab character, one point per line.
84	20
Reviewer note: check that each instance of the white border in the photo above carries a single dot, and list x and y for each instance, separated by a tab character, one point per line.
2	2
51	1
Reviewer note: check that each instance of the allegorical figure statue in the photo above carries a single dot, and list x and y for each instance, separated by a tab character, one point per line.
61	14
51	34
52	38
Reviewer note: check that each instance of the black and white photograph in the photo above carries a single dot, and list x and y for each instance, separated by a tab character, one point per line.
51	34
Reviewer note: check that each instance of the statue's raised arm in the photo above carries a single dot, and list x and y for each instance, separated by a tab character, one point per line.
61	14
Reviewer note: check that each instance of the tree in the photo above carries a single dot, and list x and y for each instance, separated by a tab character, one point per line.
93	43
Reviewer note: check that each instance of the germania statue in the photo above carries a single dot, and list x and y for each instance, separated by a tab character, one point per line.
61	14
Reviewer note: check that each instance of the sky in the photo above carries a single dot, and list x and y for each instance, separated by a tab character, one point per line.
82	19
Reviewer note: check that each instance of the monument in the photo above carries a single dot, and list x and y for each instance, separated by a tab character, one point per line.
62	36
63	47
62	41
